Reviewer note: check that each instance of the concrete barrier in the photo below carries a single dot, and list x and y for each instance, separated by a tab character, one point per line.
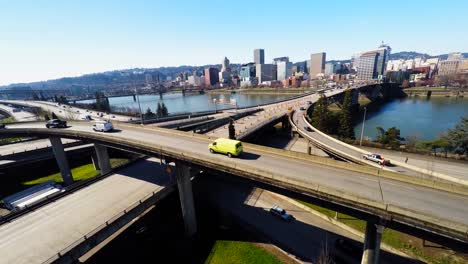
309	188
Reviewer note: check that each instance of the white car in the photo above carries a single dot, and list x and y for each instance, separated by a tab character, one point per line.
103	126
376	158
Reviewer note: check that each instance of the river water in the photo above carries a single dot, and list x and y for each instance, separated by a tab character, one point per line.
416	116
177	103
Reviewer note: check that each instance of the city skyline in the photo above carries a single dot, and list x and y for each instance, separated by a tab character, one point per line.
52	40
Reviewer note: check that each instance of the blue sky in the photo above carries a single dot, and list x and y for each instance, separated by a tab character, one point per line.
42	40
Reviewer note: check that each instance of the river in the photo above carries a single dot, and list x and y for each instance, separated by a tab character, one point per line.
177	103
416	116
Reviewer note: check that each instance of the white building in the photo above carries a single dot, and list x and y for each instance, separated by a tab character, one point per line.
284	70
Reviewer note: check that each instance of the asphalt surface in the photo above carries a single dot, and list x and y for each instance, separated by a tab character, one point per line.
436	203
304	237
20	116
42	233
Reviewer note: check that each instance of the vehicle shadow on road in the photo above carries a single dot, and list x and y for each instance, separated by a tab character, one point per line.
249	156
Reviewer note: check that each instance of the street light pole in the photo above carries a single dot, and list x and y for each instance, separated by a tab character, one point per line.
138	100
363	123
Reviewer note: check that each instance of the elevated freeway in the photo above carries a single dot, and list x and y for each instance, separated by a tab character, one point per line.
356	189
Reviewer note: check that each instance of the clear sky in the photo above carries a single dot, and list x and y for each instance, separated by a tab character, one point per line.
42	40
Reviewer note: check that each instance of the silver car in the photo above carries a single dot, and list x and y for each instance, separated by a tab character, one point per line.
376	158
281	213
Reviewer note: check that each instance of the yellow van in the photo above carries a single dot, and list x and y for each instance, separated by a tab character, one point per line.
226	146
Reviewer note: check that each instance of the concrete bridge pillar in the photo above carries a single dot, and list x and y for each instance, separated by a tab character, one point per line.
372	240
61	159
186	197
102	158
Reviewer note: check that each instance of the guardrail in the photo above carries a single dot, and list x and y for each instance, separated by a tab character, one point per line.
455	231
363	152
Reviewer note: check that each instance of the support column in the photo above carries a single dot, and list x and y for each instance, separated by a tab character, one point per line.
186	198
103	158
95	161
61	159
372	240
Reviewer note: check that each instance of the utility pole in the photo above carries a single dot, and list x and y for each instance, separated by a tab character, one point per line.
138	100
362	128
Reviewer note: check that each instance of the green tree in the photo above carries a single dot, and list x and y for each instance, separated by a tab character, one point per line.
159	110
390	137
457	137
149	113
164	110
320	117
346	130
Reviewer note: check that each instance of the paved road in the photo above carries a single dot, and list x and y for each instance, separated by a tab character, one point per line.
68	112
455	170
41	234
19	147
303	237
20	116
458	169
428	201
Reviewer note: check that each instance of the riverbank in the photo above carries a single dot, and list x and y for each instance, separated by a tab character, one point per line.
259	91
435	91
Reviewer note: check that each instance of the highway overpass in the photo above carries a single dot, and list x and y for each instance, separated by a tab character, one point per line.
435	210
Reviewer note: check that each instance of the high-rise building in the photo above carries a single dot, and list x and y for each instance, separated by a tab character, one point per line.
265	72
225	65
211	76
317	64
259	56
276	60
448	67
247	71
384	53
284	70
367	66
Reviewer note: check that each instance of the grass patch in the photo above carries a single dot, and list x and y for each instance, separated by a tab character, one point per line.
79	173
225	251
7	120
390	237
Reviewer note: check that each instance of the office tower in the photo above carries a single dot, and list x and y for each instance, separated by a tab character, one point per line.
284	70
211	76
276	60
317	64
247	71
225	65
259	56
367	67
265	72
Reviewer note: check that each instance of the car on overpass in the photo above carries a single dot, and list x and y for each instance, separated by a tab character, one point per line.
307	128
226	146
280	213
56	123
376	158
2	125
103	126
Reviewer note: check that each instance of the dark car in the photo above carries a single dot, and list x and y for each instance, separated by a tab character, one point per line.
280	213
56	123
2	125
308	128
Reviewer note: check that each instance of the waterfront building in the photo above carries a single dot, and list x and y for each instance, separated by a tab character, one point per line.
211	76
367	67
448	67
225	65
259	56
247	71
284	70
265	72
317	64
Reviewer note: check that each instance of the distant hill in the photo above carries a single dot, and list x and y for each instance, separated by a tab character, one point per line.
406	55
124	78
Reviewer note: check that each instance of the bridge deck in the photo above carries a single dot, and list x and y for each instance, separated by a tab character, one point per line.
41	234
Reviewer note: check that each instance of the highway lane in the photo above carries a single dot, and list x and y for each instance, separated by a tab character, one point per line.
18	116
68	112
25	146
419	199
42	233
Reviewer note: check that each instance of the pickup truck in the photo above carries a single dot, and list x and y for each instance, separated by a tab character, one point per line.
376	158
